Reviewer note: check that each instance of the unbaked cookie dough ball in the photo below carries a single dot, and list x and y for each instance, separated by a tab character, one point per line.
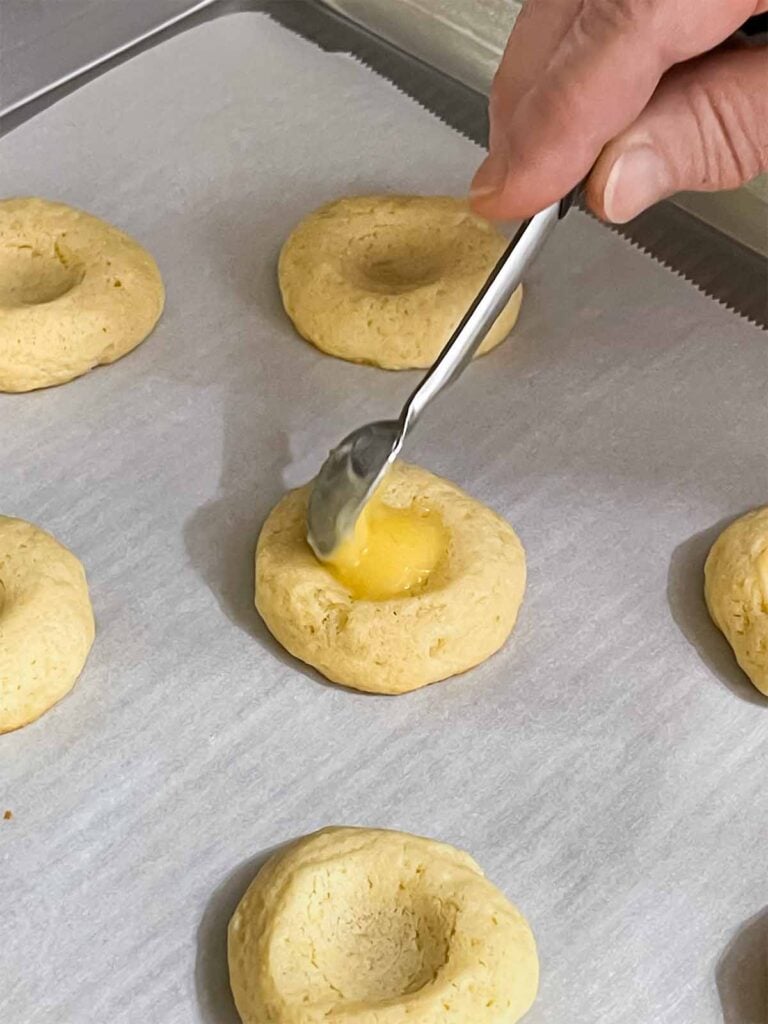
74	293
46	622
736	591
366	926
436	589
387	279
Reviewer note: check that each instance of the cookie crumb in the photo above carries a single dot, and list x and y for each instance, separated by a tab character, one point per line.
8	815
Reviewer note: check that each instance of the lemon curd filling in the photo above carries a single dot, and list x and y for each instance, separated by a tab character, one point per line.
392	552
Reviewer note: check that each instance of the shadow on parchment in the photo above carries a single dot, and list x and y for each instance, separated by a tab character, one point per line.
742	973
221	535
272	375
214	996
685	594
221	541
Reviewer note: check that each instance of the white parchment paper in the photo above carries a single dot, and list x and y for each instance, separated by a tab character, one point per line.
607	768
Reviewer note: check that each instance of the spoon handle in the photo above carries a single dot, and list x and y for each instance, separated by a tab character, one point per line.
486	308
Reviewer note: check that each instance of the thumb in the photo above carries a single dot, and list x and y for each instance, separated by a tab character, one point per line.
705	128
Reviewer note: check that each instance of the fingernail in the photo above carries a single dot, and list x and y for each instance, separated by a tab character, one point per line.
640	177
490	178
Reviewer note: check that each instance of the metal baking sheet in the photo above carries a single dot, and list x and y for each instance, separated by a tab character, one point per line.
45	44
430	51
606	768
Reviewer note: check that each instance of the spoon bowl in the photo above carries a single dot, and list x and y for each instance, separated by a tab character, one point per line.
347	479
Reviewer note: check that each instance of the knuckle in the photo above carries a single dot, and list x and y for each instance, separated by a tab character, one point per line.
728	145
597	20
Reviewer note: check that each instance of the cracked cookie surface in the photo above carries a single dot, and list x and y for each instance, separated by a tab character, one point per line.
46	622
386	279
75	293
369	926
462	615
736	591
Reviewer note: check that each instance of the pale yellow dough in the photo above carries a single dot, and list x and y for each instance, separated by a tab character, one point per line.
736	590
365	926
46	622
74	293
465	613
386	279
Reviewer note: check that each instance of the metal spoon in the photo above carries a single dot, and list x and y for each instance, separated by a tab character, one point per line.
354	469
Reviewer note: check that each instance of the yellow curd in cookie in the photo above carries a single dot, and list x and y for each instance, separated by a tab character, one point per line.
392	552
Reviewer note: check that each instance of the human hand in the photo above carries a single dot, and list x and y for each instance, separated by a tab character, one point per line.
629	89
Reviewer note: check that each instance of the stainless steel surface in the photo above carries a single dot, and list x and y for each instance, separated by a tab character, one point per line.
347	479
355	468
462	38
44	43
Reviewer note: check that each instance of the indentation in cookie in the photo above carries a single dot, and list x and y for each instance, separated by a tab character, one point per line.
361	937
390	263
392	552
30	276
